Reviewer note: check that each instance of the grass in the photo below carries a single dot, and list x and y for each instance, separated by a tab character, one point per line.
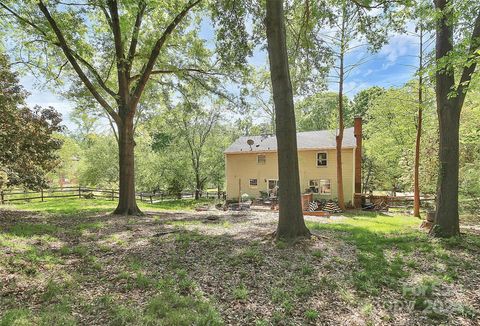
386	247
74	206
240	292
67	265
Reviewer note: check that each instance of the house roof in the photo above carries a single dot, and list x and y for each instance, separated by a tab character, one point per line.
307	140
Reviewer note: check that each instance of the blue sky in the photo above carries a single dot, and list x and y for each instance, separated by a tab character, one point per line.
392	66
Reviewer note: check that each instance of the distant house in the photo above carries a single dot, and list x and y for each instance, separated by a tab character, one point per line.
252	166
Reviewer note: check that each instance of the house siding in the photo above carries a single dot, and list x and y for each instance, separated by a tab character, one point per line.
243	167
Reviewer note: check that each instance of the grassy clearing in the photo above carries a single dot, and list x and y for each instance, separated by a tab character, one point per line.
95	269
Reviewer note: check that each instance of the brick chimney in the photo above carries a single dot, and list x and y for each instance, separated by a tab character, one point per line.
357	131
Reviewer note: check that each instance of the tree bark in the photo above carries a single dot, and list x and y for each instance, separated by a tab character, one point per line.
291	224
198	186
416	182
339	140
446	216
341	125
127	204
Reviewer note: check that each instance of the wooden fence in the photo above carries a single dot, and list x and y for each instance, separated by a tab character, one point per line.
396	201
86	192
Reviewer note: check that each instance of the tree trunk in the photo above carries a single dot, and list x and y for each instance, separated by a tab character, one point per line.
127	204
341	126
446	217
339	141
198	186
291	224
416	183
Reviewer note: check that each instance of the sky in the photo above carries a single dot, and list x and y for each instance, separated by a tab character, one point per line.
392	66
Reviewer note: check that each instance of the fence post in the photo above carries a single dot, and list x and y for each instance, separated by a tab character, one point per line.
141	197
151	200
2	198
41	193
113	194
79	192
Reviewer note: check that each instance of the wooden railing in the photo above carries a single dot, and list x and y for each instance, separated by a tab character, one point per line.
88	192
397	201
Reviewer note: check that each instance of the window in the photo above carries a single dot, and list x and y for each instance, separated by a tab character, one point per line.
321	186
253	182
272	184
313	186
322	159
261	159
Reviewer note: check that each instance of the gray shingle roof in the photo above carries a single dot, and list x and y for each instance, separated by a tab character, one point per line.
323	139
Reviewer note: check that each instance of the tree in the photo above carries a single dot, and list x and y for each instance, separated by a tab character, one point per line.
416	185
27	136
421	13
291	224
319	111
450	96
470	154
390	140
352	28
95	166
114	53
195	126
363	101
69	159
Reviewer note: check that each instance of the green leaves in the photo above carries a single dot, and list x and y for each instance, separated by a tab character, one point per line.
27	143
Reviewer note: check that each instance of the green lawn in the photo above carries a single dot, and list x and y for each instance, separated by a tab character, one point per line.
64	262
72	206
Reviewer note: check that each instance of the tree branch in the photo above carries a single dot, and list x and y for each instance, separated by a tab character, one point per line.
95	73
469	68
174	71
147	70
136	30
73	61
119	51
107	17
24	20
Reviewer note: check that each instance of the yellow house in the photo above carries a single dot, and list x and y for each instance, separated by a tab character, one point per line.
252	166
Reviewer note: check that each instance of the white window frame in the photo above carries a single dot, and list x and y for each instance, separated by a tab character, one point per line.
264	159
268	183
326	160
318	183
250	183
322	182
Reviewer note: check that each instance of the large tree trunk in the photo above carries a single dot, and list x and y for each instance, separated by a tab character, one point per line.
446	217
290	224
416	182
127	204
